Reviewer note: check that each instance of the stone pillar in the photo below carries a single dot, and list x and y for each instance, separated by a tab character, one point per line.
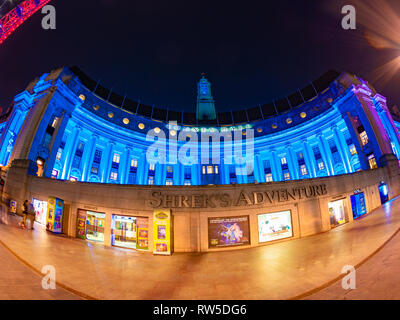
342	152
87	165
124	166
294	174
69	156
309	159
355	137
276	167
326	157
106	162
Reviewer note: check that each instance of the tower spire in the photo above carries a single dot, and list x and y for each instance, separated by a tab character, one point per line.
205	109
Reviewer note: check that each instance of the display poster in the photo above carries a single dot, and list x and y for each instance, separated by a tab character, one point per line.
337	213
13	206
162	231
228	231
81	224
274	226
142	234
55	208
40	208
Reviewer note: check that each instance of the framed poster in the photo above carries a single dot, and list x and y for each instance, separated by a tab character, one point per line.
228	231
274	226
162	232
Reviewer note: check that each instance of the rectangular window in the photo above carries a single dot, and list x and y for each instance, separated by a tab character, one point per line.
353	150
54	174
216	170
59	154
55	121
169	182
187	172
372	161
151	181
303	170
116	158
210	169
72	178
152	166
187	183
321	165
132	178
94	170
364	138
283	161
204	170
268	177
170	171
286	176
134	163
114	175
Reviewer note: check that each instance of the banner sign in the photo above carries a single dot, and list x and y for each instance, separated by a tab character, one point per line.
162	232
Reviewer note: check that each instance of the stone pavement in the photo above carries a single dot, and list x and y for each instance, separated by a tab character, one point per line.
18	282
291	269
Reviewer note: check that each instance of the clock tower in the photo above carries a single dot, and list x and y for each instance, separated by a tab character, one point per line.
205	109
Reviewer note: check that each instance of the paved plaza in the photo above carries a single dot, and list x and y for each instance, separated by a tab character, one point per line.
304	268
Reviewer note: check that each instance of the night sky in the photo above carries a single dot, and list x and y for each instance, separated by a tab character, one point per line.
252	51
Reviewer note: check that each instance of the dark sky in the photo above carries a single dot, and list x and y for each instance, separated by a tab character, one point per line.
252	51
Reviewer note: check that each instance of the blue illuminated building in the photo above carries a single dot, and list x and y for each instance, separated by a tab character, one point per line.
72	128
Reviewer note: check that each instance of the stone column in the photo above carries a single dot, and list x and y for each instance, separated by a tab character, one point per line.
87	157
124	166
69	156
342	152
294	163
309	159
106	162
325	156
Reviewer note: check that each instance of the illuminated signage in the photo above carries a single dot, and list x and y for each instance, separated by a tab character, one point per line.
244	198
162	232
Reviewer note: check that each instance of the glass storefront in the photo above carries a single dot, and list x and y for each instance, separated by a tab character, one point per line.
383	192
90	225
337	213
95	226
129	232
40	208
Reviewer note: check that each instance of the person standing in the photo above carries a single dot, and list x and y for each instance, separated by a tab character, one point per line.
31	214
25	210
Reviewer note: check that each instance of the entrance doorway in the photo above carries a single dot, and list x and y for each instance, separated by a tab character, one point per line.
337	213
384	192
90	225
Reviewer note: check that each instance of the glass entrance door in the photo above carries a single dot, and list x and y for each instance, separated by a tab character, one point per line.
124	231
95	226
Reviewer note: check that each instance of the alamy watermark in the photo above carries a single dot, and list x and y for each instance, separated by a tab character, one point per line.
49	20
49	280
349	21
349	281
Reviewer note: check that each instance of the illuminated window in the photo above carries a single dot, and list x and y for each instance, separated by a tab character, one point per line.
216	170
170	169
152	166
169	182
210	169
321	165
353	150
187	183
303	170
204	170
114	175
286	176
134	163
283	160
364	138
372	161
268	177
72	178
300	155
54	174
59	154
116	157
151	180
54	123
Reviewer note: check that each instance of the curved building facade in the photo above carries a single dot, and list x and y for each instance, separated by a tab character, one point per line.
67	136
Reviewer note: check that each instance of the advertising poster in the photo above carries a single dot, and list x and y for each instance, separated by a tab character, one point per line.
142	234
229	231
55	209
274	226
162	232
81	224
